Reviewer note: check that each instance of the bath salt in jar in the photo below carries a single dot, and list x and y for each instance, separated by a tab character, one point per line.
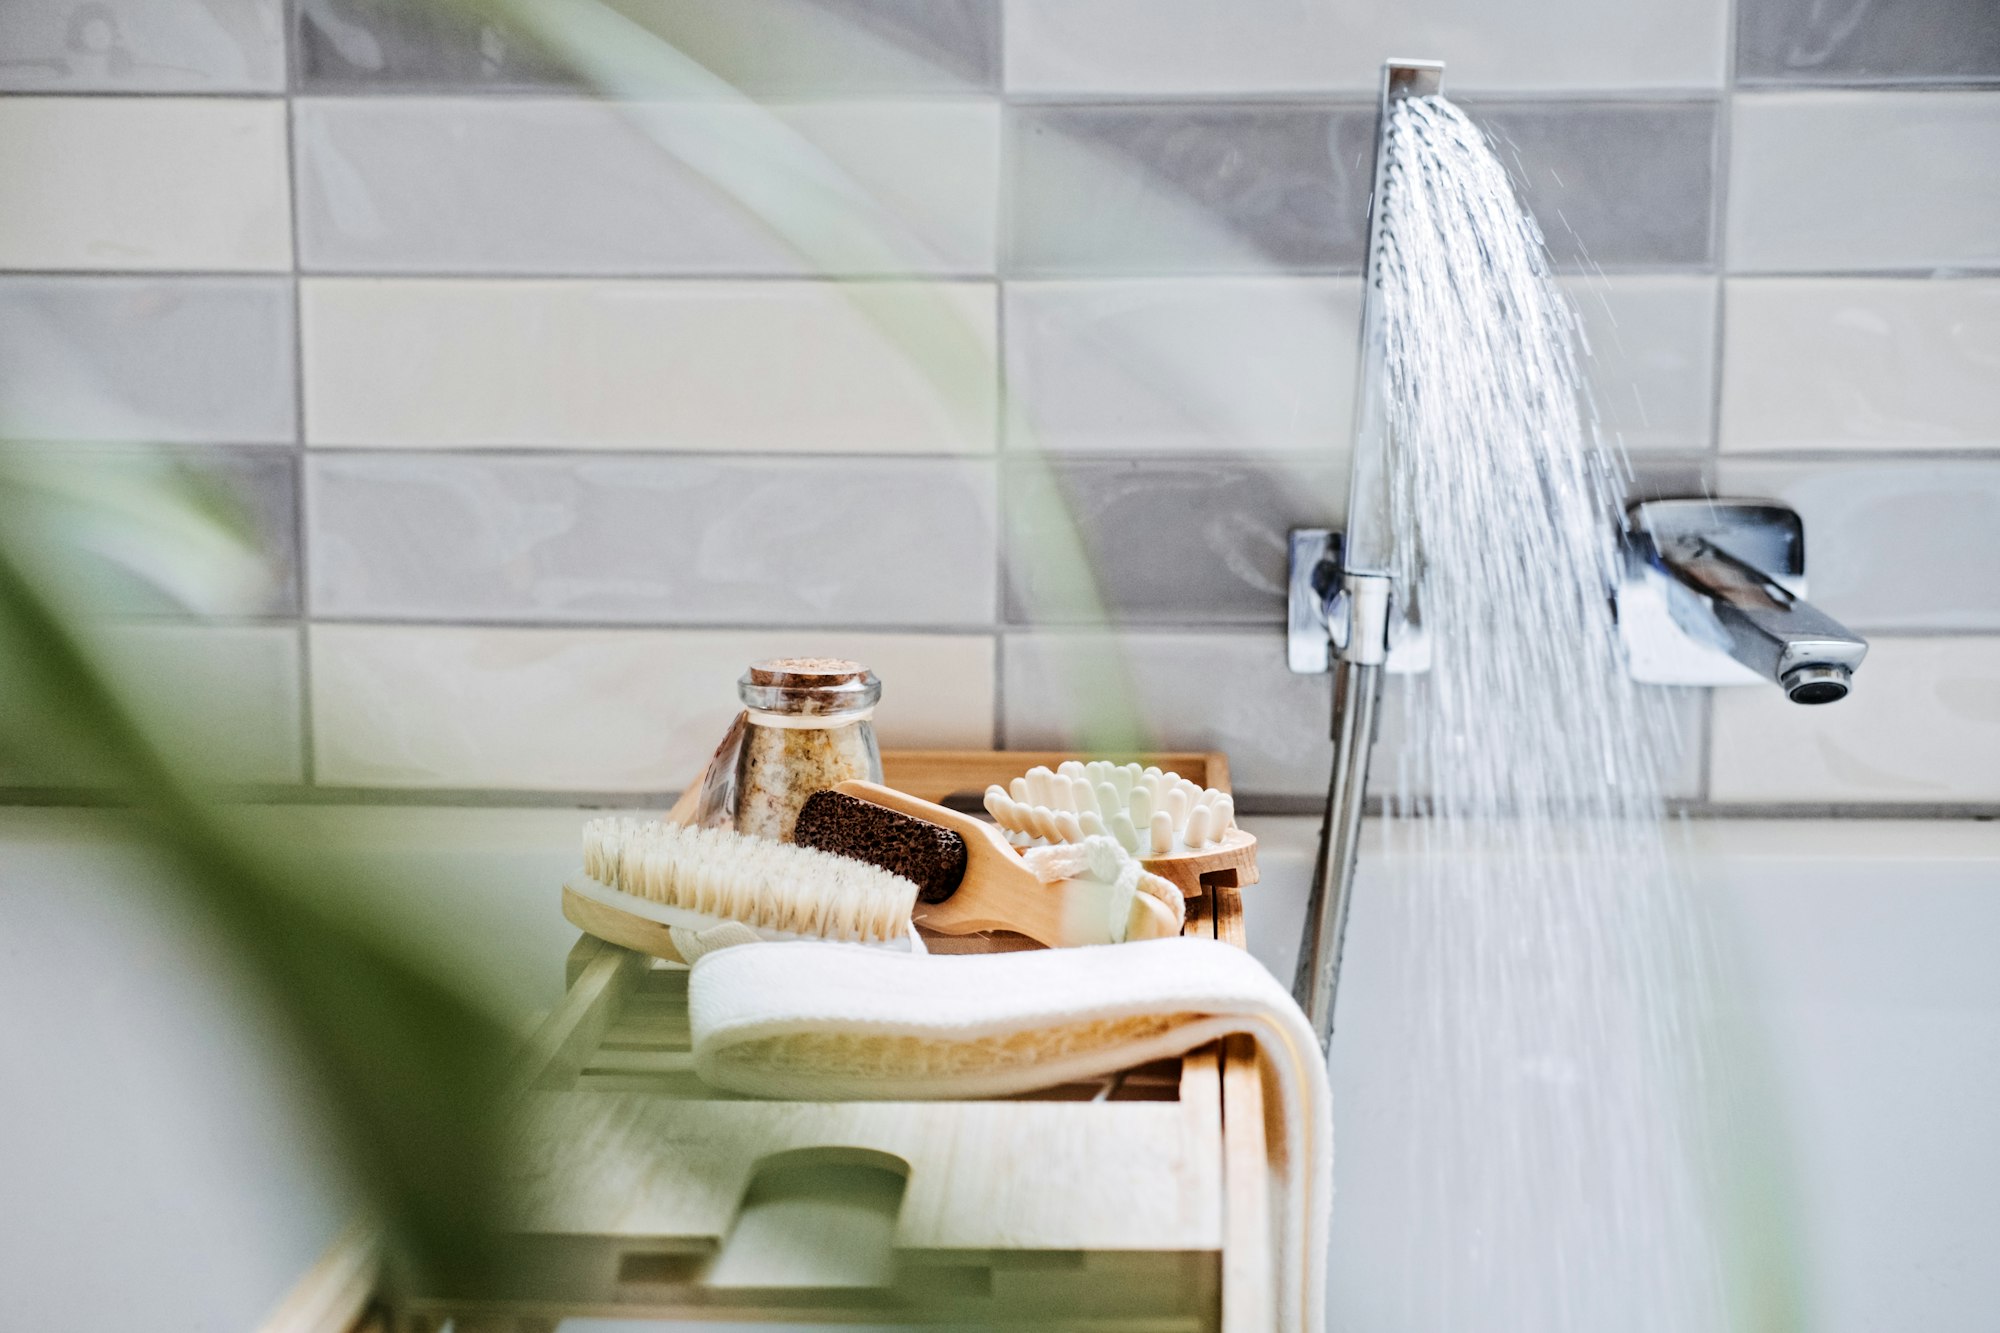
808	724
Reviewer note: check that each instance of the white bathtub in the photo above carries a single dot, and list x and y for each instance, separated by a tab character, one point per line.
137	1126
1868	956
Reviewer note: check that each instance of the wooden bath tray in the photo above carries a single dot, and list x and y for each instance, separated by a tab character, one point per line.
1136	1204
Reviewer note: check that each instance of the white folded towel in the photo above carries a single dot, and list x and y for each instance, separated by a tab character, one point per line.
817	1022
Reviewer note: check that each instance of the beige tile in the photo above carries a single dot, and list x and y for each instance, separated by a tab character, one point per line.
1650	356
1837	363
1850	181
796	367
144	183
1923	725
221	702
1266	365
595	710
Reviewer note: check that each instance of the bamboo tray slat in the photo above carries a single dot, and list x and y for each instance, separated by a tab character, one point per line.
1139	1203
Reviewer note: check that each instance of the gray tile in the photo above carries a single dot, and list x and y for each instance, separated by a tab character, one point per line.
1910	544
1217	188
652	540
165	360
1801	42
1228	692
1220	691
1188	189
252	491
129	46
1626	185
764	47
540	185
1165	543
1284	47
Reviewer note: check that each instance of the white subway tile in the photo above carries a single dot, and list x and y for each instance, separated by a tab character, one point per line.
596	710
1922	725
1868	363
789	367
1177	46
1217	691
573	186
144	183
1200	364
1845	181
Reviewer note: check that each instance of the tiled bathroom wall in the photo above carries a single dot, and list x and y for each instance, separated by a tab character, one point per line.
553	410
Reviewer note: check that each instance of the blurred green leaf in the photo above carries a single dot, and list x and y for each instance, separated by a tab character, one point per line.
407	1068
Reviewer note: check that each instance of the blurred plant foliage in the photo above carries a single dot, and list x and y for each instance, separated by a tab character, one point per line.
406	1067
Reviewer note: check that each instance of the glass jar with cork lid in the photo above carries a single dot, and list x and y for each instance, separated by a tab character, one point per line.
807	724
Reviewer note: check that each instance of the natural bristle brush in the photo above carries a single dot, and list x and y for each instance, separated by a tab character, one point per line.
675	892
975	882
1179	829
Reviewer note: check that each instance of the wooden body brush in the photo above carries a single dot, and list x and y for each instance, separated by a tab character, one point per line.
995	890
673	891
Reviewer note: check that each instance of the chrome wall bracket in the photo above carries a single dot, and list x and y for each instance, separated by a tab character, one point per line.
1333	612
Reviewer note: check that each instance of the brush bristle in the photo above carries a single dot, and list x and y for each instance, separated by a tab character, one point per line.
928	855
772	885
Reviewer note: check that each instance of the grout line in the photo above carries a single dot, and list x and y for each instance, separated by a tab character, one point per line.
1003	409
1644	460
609	453
1719	221
301	547
934	629
1080	276
529	277
1003	236
1254	805
1274	626
142	94
1764	85
1357	97
1874	454
1704	739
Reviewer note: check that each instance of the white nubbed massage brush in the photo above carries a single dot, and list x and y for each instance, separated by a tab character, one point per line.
1150	813
1177	828
674	892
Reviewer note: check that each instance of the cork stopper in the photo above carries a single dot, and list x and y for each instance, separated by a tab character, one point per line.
808	686
807	671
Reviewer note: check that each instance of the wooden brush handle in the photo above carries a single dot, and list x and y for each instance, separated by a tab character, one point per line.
999	892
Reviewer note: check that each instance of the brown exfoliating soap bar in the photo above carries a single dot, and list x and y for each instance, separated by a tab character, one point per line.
930	857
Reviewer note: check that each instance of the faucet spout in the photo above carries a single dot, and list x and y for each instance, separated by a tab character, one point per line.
1735	582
